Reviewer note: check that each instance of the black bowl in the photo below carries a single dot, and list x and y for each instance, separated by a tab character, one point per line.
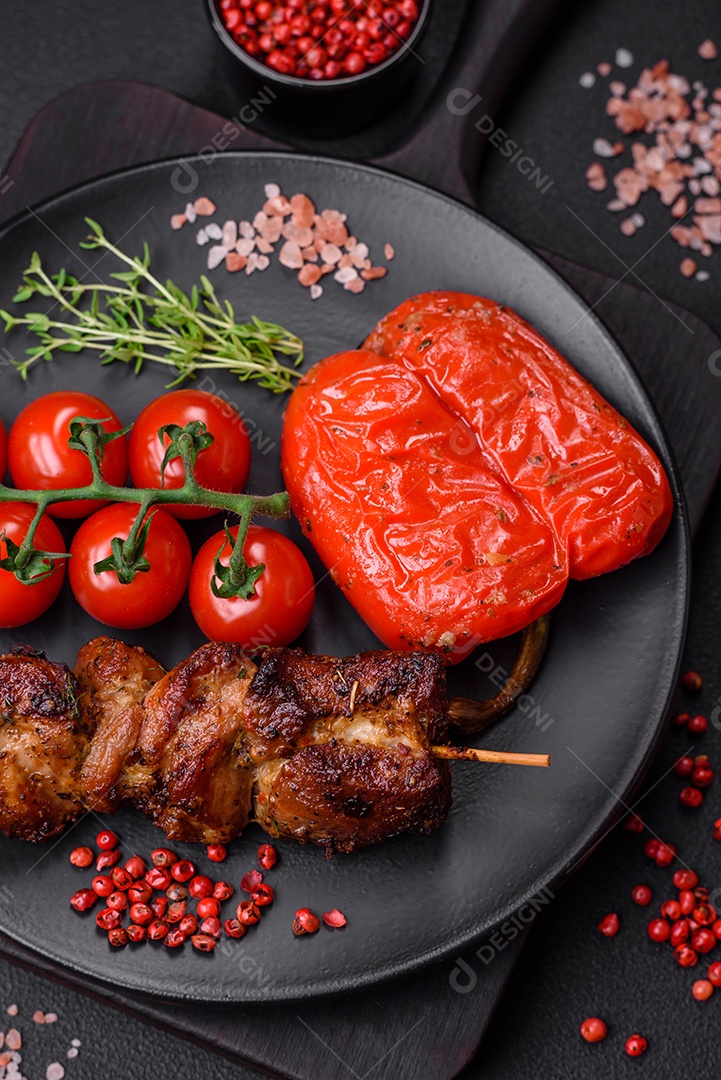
330	106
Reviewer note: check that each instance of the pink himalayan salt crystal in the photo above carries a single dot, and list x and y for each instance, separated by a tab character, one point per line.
309	274
688	267
235	262
707	50
216	255
291	255
331	254
302	210
373	273
204	207
596	177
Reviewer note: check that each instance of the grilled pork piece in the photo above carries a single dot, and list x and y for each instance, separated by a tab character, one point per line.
43	740
114	679
191	742
345	746
332	751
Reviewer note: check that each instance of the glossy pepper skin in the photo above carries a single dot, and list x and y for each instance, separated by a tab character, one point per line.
548	432
431	546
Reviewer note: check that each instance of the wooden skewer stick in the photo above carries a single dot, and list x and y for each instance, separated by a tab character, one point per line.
470	753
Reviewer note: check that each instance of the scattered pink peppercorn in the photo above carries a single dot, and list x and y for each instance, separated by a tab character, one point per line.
82	857
136	867
267	856
83	899
702	989
641	895
697	725
684	766
685	955
593	1030
635	1045
163	857
305	922
251	881
107	859
334	918
704	940
235	929
609	925
687	900
182	870
692	682
200	887
665	854
650	848
659	930
702	776
680	933
714	973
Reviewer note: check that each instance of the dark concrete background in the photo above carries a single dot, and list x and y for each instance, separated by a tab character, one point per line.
567	970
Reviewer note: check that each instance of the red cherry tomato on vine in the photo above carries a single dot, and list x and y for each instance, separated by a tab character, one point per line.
152	594
222	466
3	452
284	593
21	603
40	457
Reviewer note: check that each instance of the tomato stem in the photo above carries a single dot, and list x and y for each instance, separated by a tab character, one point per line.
127	558
242	577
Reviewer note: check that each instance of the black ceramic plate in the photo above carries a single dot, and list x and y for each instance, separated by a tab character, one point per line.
597	706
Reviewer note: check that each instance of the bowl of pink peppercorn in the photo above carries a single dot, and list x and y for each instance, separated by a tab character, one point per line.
330	64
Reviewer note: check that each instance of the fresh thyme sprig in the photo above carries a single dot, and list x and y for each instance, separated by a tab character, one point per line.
143	319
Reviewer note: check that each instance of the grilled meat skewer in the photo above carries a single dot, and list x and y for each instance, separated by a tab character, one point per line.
336	752
339	752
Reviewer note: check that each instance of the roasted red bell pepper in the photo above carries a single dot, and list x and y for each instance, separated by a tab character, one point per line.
430	545
546	429
454	477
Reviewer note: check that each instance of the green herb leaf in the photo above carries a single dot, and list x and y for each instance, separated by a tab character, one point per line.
137	318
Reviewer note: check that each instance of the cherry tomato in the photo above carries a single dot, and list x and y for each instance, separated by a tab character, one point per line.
284	593
152	594
20	603
222	466
3	452
40	457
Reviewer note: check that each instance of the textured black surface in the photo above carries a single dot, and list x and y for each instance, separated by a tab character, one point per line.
569	971
484	874
48	48
556	121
